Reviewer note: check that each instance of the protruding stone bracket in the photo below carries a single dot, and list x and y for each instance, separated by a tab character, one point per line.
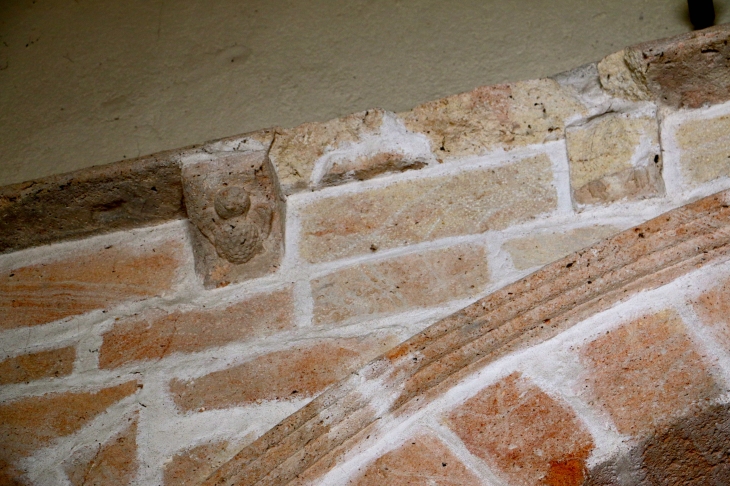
237	212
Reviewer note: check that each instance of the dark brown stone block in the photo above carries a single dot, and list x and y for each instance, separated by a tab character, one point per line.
90	201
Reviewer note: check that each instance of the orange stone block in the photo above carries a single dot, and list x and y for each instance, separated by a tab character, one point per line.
526	436
191	467
646	371
46	292
34	366
713	307
115	462
298	372
157	334
34	422
422	460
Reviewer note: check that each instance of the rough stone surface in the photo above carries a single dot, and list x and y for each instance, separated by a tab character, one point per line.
617	79
524	434
413	211
614	157
299	372
713	308
114	462
192	466
422	280
645	372
157	333
704	149
90	201
540	250
368	166
686	71
491	117
236	207
521	314
73	285
295	151
30	423
34	366
421	460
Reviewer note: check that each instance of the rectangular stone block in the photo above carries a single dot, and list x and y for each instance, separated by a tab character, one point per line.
113	462
27	424
614	157
34	366
413	211
73	285
90	201
419	280
422	459
542	249
491	117
156	334
298	372
645	372
526	436
704	146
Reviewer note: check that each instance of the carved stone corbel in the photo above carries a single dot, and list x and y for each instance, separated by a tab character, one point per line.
237	214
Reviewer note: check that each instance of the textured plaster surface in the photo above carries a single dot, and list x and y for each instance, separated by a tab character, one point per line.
87	83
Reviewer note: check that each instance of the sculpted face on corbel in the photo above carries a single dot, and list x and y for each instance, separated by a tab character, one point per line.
234	205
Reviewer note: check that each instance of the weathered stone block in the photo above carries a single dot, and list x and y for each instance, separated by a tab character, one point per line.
237	211
545	248
156	334
90	201
299	372
34	366
613	157
704	146
617	79
713	307
30	423
43	293
192	466
524	434
425	209
114	462
645	372
426	279
422	459
491	117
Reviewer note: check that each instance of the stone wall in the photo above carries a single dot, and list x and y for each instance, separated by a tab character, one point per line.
523	284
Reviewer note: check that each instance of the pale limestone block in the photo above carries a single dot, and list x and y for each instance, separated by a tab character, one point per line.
540	250
493	117
617	79
424	209
704	149
614	157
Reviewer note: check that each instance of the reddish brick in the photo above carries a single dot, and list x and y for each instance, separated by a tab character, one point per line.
43	293
713	307
191	467
426	279
646	371
298	372
421	460
115	462
523	433
33	422
157	334
34	366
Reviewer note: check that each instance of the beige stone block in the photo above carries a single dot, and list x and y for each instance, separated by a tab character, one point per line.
421	460
523	433
295	150
491	117
615	156
645	372
704	149
34	366
424	209
542	249
420	280
618	80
